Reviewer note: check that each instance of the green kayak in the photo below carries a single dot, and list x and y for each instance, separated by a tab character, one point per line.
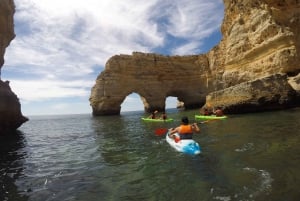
157	120
209	117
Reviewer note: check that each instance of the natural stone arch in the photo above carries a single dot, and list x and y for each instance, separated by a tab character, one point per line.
154	77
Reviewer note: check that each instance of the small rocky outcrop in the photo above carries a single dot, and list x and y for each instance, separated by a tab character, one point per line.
11	117
268	93
255	67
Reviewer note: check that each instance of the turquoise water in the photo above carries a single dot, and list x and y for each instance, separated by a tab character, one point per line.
85	158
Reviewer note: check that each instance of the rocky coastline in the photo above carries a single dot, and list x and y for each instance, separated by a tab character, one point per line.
254	68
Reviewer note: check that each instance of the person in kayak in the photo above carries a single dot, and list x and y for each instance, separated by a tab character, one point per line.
185	130
218	112
153	115
163	116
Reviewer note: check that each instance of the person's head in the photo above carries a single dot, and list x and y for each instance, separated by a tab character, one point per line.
185	120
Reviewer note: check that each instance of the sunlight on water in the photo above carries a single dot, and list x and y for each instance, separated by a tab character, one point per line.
80	157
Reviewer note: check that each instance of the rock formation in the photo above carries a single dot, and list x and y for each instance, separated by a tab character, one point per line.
255	67
154	77
260	40
268	93
7	34
10	109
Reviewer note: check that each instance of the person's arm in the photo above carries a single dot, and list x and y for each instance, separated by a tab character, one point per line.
195	127
173	131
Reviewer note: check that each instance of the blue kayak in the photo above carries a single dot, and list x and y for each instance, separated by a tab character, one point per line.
188	146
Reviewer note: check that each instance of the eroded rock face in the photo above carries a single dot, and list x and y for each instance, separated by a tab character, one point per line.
261	38
11	117
261	41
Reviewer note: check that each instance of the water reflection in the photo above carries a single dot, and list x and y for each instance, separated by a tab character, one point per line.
12	156
117	138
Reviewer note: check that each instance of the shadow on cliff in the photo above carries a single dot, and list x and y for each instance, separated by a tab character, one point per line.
12	156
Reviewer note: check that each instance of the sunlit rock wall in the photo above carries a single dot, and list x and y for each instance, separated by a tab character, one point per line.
260	39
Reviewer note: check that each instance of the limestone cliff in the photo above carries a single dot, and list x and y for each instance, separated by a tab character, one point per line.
254	67
260	39
10	109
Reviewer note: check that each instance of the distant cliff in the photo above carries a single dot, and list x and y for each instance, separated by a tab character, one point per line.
11	117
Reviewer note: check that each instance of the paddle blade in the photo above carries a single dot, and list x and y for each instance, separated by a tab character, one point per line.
161	131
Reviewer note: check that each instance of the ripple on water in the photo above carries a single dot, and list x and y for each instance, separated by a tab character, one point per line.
245	147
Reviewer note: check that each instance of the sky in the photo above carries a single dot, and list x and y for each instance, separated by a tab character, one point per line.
62	46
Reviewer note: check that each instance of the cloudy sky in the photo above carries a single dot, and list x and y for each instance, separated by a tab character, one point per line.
61	46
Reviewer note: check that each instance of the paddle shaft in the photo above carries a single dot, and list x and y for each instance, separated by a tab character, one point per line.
163	131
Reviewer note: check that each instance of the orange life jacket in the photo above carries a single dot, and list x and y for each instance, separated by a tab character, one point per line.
185	129
185	132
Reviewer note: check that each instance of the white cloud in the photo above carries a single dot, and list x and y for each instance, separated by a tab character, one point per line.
194	20
62	45
188	47
41	90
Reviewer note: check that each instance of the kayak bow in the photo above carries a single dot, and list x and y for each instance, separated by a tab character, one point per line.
188	146
157	120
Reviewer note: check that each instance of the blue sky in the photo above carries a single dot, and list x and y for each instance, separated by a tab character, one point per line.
62	46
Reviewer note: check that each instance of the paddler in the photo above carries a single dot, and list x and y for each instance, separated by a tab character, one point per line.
163	116
153	114
218	112
185	130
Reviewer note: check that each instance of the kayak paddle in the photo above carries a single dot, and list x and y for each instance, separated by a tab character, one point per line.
163	131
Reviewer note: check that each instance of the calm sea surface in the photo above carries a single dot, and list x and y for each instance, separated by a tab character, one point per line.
111	158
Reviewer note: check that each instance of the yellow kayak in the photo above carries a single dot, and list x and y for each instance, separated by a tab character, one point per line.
209	117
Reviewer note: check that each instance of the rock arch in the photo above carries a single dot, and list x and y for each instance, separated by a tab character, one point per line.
154	77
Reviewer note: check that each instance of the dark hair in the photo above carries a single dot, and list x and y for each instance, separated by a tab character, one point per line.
185	120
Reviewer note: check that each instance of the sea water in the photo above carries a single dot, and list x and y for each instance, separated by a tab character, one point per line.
84	158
